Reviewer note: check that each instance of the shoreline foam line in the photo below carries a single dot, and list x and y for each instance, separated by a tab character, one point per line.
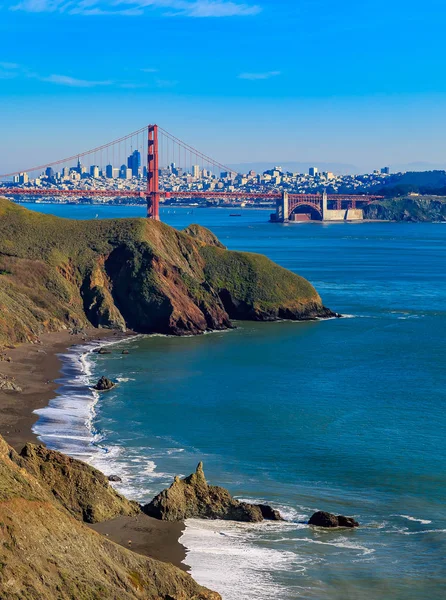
66	423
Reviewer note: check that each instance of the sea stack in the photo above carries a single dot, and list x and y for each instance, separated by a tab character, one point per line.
193	497
104	385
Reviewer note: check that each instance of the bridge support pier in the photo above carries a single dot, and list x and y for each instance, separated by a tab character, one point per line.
282	209
324	205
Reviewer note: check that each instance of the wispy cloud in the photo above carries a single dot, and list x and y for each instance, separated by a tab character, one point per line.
214	8
169	8
259	76
73	82
9	66
12	70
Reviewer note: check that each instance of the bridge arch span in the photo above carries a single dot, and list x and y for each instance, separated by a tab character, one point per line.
312	211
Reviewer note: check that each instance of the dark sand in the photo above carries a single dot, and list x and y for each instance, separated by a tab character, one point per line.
147	536
35	367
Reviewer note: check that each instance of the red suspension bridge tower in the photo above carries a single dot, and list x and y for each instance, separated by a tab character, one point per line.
153	191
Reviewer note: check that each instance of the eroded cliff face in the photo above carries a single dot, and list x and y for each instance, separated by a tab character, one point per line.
45	553
134	273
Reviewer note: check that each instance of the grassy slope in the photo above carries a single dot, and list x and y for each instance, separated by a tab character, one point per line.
255	280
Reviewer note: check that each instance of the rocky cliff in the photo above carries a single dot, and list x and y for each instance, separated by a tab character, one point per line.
410	208
134	273
47	554
82	490
193	497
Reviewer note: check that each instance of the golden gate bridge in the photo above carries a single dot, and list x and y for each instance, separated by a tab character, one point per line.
161	152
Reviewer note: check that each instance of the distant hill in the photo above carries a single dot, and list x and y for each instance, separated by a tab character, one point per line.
416	166
421	182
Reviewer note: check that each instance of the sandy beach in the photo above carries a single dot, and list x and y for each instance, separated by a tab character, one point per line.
35	367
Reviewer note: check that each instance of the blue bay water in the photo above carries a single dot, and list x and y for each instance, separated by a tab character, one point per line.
343	415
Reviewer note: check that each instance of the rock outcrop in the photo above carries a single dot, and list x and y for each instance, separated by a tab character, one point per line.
46	554
9	384
60	274
193	497
326	519
82	490
104	384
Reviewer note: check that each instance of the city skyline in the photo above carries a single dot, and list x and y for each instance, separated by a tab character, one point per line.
306	76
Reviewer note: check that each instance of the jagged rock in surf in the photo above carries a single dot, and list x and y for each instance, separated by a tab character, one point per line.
104	385
329	520
193	497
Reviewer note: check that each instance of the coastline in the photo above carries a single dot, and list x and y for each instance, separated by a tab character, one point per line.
36	367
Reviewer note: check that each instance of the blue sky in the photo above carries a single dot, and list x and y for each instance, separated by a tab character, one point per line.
307	80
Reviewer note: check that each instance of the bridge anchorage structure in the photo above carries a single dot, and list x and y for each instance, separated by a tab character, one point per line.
153	164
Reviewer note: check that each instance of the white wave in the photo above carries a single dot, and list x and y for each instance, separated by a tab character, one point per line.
231	558
67	423
340	543
421	532
150	469
409	518
124	379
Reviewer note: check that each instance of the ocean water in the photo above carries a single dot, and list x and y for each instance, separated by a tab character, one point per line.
341	415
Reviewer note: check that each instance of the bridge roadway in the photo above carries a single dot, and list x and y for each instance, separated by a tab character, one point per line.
87	193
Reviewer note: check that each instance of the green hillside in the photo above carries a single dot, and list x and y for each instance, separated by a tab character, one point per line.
133	273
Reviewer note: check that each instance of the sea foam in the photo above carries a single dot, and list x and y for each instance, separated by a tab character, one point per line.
231	558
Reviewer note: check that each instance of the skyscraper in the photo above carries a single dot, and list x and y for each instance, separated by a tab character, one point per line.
134	162
312	171
125	172
195	171
94	171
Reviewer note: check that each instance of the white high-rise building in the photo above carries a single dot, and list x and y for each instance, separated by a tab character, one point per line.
195	171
